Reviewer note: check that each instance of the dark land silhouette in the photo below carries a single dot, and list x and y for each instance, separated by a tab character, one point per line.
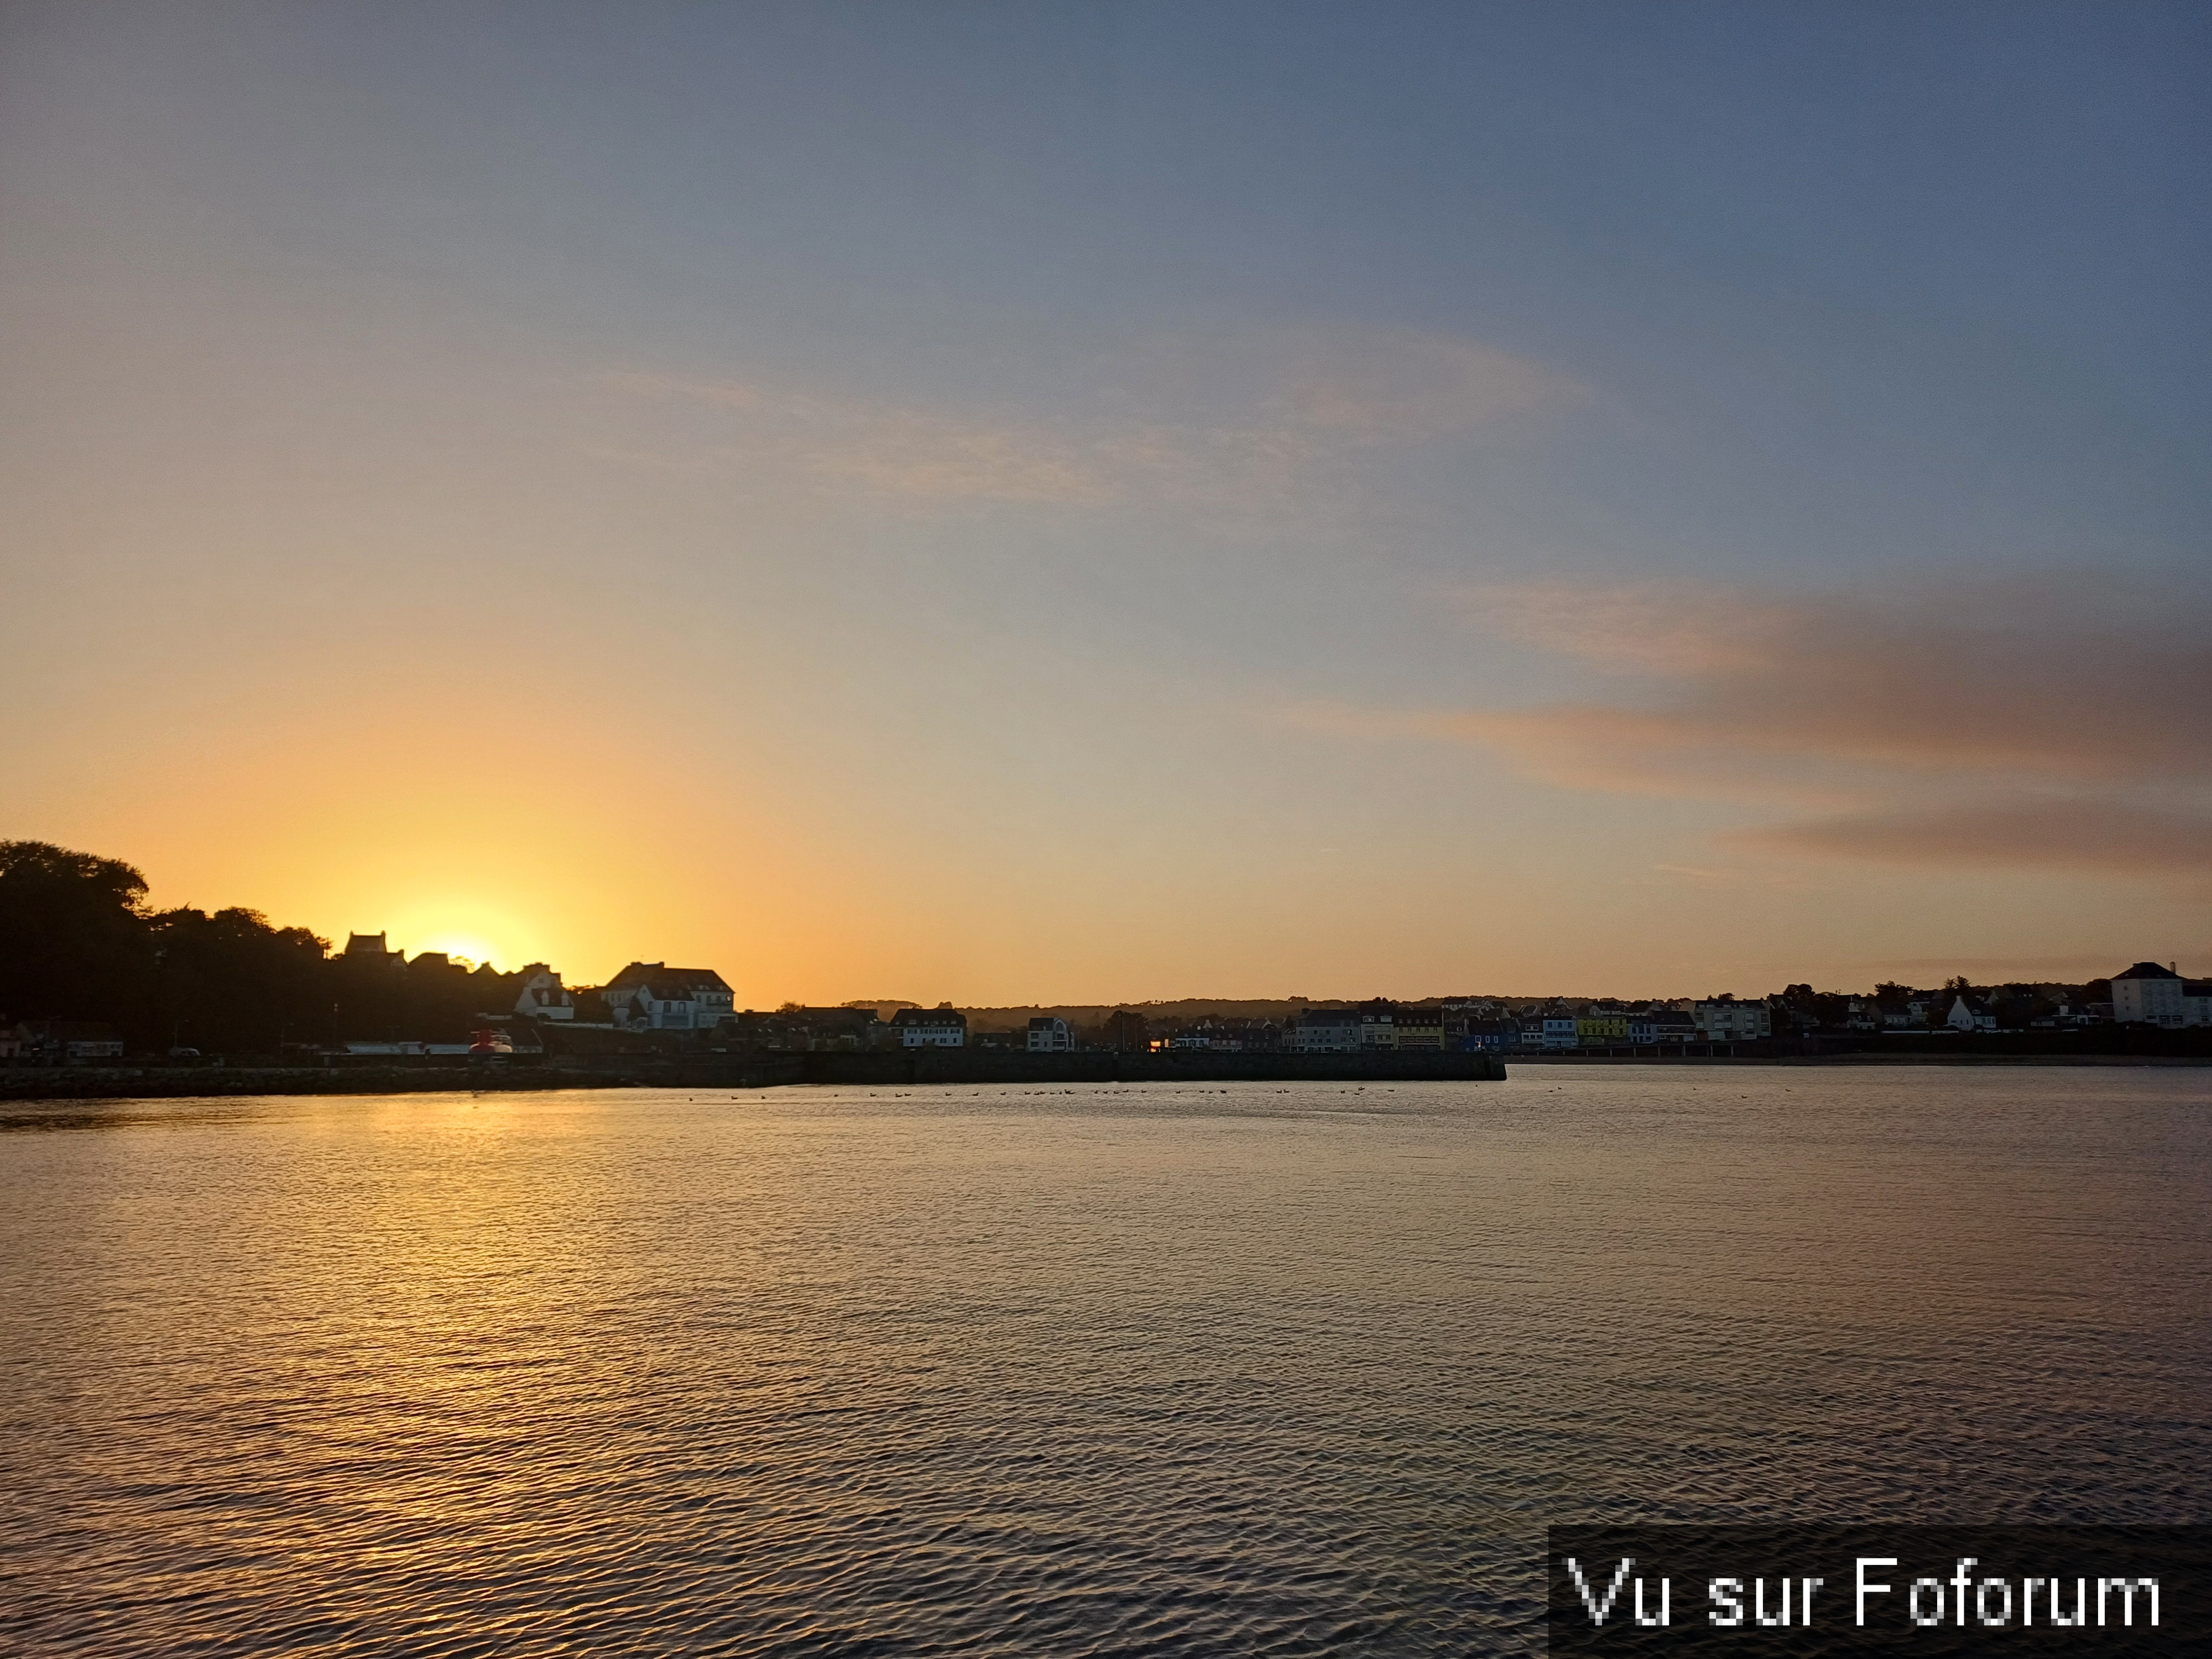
79	943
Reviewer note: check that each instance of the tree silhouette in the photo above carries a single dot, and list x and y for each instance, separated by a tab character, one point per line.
1125	1029
73	933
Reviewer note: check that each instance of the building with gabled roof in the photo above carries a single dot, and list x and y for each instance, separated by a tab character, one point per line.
930	1028
543	996
2148	994
1970	1014
1048	1034
653	996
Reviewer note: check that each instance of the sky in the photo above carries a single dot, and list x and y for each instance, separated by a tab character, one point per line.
1091	502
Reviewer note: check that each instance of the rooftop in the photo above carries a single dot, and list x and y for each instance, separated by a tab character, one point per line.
694	979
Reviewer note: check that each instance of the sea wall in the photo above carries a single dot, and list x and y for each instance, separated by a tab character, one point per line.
737	1071
1175	1066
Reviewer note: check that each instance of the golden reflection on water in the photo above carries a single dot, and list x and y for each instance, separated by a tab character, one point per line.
1253	1368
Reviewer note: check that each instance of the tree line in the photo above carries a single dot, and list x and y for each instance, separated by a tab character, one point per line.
79	942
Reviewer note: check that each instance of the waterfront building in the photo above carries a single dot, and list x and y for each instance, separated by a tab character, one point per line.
651	996
840	1028
1970	1014
1378	1024
1050	1035
1326	1031
930	1028
1418	1028
1723	1019
1258	1036
1489	1036
801	1030
1230	1036
543	996
2148	994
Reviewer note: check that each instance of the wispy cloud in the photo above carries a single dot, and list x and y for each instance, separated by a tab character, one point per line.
1732	876
2133	837
894	448
2062	680
1618	749
2046	724
1298	403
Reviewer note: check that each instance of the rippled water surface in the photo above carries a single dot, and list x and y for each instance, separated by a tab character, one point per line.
1174	1369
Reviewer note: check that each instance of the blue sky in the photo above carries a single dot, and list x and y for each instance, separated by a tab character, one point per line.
1696	479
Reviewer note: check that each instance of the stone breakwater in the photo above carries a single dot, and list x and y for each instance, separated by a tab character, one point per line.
736	1070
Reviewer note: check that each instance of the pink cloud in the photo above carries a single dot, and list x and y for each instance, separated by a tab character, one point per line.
2042	724
2037	680
2129	837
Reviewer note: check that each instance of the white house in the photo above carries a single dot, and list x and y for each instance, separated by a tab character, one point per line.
543	996
651	996
930	1028
1050	1035
2147	994
1970	1014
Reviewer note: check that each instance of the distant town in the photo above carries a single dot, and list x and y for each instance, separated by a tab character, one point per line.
88	973
653	1005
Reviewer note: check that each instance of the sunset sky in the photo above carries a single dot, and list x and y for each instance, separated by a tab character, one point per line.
1042	503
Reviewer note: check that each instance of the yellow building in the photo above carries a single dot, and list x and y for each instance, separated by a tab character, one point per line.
1601	1030
1418	1028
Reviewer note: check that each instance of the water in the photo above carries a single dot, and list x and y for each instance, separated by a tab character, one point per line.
1173	1369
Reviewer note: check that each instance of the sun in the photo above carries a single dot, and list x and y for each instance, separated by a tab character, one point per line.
466	927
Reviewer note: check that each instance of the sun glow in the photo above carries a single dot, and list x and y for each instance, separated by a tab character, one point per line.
470	948
466	929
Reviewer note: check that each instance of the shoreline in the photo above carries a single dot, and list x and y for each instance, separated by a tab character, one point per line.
917	1068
